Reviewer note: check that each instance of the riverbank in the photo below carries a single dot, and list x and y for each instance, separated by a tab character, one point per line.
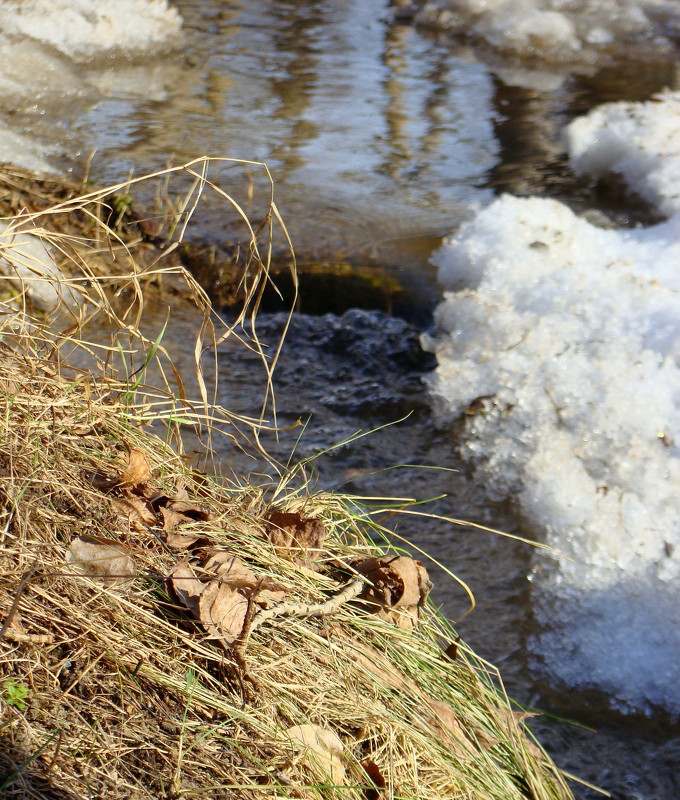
167	631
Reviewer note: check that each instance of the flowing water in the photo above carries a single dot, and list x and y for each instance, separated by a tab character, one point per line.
381	138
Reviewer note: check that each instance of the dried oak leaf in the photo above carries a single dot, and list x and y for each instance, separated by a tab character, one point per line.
183	541
321	748
137	510
175	512
399	587
190	511
515	726
103	559
186	586
222	611
99	481
171	519
444	720
379	667
294	535
451	651
219	606
137	471
231	569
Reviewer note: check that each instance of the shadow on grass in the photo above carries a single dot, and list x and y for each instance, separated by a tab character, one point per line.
23	775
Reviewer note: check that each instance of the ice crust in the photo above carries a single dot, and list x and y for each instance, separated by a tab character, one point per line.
82	29
573	334
61	56
556	30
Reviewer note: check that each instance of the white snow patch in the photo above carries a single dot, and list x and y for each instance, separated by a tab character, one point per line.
82	29
574	333
574	31
26	260
639	141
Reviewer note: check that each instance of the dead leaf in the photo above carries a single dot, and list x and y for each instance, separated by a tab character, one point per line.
103	559
190	511
231	569
444	720
400	586
177	512
186	586
82	429
376	777
137	471
377	665
171	519
100	481
180	491
222	610
137	510
516	720
269	597
294	535
322	749
521	716
452	650
218	606
183	541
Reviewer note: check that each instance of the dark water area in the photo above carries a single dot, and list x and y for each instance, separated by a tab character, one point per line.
382	139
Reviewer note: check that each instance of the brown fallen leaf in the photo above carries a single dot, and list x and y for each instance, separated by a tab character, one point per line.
444	720
230	568
222	611
104	559
137	471
171	519
374	774
515	725
379	667
294	535
184	541
99	481
190	510
137	510
220	607
270	597
186	586
452	649
399	587
177	512
521	716
435	714
321	749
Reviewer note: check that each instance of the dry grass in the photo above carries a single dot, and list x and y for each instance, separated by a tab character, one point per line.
118	691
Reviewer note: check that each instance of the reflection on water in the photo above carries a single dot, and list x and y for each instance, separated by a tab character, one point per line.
373	134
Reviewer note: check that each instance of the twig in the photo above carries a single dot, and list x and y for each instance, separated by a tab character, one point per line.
330	606
253	622
28	638
17	599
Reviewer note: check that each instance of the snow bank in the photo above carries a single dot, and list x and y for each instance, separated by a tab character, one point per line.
557	30
571	335
82	29
639	141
